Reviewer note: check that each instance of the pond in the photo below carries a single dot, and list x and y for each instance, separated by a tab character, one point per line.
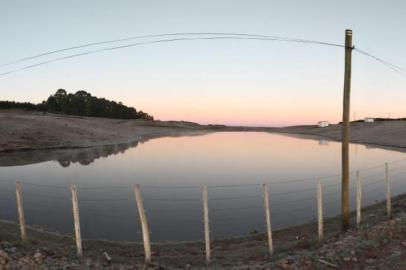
171	171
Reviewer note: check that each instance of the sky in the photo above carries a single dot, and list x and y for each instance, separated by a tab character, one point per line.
235	82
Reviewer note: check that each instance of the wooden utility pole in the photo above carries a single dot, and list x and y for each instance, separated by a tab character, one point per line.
345	184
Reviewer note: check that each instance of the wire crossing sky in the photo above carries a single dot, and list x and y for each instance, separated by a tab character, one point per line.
236	79
245	37
393	67
168	35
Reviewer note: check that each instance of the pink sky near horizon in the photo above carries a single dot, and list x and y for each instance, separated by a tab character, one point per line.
240	114
264	112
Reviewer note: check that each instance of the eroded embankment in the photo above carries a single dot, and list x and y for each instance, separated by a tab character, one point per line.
24	130
386	134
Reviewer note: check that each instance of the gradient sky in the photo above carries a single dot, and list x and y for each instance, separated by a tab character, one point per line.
227	81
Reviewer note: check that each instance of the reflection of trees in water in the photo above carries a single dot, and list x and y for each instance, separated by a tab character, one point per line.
89	155
64	163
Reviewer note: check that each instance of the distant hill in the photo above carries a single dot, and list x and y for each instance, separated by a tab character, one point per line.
80	103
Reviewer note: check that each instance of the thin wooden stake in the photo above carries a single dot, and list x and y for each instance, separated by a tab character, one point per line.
144	223
76	219
21	218
359	198
206	224
268	218
388	196
320	209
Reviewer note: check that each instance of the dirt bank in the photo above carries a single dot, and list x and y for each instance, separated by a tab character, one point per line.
25	130
384	133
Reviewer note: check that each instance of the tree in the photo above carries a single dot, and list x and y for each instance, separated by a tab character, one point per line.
81	103
51	104
84	104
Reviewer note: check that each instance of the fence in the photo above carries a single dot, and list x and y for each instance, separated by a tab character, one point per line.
376	174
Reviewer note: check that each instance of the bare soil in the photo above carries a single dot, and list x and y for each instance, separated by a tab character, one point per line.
27	130
387	134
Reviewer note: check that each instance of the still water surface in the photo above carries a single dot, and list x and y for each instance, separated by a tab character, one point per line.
171	171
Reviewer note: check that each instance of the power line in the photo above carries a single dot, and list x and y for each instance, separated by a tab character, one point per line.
163	35
219	35
389	65
166	41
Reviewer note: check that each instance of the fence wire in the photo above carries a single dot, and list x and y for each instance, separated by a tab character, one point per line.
238	206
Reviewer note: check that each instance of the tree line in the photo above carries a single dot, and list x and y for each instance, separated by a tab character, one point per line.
80	103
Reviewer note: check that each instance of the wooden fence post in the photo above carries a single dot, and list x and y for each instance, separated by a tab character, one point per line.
206	224
76	219
359	198
21	218
320	209
268	218
388	196
144	223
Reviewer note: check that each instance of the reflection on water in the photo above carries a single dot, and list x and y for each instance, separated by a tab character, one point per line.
88	156
65	157
171	172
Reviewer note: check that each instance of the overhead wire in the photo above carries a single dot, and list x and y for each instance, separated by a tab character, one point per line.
165	41
164	35
391	66
206	36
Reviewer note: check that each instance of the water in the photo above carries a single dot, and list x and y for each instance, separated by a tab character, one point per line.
171	171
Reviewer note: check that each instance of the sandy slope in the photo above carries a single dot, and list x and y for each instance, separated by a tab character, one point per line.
23	130
389	133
